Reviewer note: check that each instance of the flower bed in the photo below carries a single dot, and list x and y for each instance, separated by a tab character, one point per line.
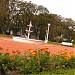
35	61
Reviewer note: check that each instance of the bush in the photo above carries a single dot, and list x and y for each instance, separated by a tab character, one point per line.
58	39
36	61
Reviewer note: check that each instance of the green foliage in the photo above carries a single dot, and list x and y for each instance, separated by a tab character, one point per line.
25	64
58	39
39	63
6	36
58	72
56	43
40	17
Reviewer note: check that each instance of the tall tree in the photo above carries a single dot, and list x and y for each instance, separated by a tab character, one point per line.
3	14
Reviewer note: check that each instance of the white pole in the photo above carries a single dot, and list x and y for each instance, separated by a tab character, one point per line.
30	25
29	32
47	33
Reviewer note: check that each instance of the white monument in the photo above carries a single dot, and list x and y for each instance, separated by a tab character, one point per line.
29	31
27	40
47	33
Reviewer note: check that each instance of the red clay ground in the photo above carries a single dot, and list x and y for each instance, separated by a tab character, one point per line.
10	44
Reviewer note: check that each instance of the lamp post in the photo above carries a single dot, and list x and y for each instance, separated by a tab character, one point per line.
47	33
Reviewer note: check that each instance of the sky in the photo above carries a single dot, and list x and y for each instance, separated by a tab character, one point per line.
65	8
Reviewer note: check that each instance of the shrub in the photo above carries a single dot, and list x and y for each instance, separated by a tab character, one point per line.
35	61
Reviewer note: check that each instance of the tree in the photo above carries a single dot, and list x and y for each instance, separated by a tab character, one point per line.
23	12
3	14
68	25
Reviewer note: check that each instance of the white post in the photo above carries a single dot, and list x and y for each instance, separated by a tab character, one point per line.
29	32
30	25
47	32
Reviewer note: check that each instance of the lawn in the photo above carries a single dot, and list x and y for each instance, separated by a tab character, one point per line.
7	36
73	45
56	43
57	72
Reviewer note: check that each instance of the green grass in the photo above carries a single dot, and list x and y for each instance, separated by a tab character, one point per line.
57	72
54	43
3	35
73	45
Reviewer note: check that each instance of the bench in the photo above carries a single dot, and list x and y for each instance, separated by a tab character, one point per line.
67	43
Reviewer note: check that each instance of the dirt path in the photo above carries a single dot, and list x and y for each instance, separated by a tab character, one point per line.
10	44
